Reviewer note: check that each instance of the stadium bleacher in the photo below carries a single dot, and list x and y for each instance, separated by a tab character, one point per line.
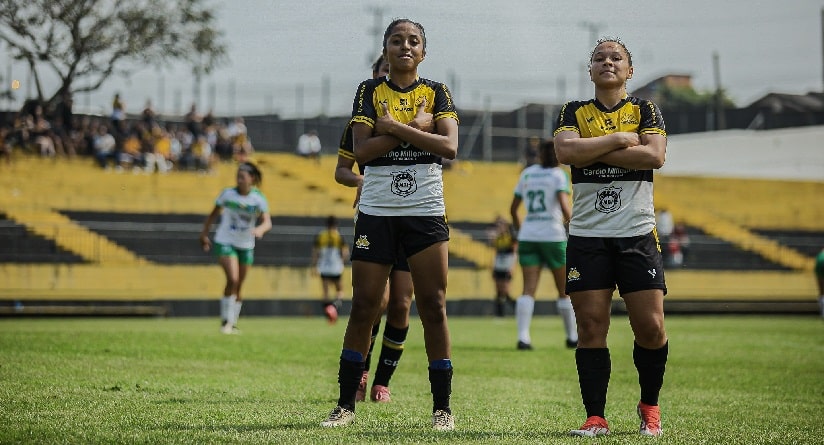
128	237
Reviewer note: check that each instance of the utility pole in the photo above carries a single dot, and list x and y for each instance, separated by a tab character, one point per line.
325	89
720	118
376	31
594	29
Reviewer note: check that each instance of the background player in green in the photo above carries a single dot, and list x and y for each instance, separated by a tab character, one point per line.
613	143
401	209
544	188
240	209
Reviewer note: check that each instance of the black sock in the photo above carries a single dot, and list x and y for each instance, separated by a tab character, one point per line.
441	384
594	367
651	364
391	351
368	362
500	301
349	376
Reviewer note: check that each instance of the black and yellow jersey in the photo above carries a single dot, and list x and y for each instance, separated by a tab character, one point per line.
406	180
330	246
611	201
505	241
346	148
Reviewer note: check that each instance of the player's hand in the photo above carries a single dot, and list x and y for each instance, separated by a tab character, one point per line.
258	232
628	138
423	120
205	243
384	124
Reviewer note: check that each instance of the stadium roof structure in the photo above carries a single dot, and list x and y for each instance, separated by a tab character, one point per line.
787	153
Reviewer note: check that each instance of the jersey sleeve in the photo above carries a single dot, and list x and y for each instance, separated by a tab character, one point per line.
519	187
566	118
363	107
652	122
264	204
444	106
561	182
346	148
221	198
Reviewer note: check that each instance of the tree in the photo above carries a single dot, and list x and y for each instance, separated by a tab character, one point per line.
686	98
84	42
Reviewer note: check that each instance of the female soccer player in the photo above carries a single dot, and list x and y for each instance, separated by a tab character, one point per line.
401	209
613	143
240	208
504	240
542	239
398	295
328	255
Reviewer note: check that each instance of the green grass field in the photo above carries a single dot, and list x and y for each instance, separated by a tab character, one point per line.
730	380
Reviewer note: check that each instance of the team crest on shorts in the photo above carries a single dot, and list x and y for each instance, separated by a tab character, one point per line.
573	274
362	242
608	199
403	182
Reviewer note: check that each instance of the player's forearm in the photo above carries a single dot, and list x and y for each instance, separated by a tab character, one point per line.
639	157
345	176
580	151
374	147
444	145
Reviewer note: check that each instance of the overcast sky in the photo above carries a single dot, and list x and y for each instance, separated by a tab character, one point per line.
505	52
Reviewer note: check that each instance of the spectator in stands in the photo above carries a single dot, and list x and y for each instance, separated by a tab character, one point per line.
245	152
612	238
157	155
397	299
309	145
64	124
244	217
41	133
148	115
131	155
202	154
328	254
5	144
504	239
104	147
542	240
118	115
223	142
819	275
175	146
87	131
20	136
193	121
411	221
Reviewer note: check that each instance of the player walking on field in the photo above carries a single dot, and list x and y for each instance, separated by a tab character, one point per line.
328	255
401	209
240	209
542	239
613	143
